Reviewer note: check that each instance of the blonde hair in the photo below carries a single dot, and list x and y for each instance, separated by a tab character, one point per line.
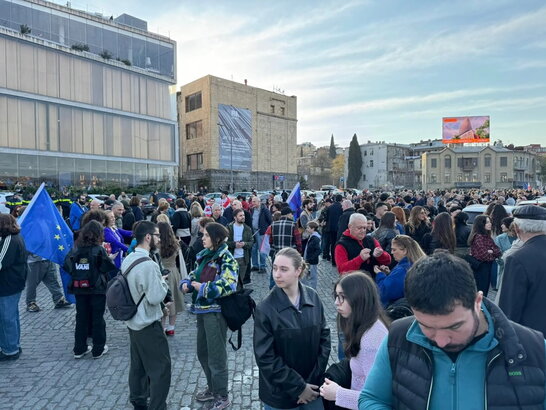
196	211
163	218
297	259
414	251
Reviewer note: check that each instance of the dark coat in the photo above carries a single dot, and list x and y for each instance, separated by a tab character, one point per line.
128	220
343	222
291	345
265	219
312	250
333	214
13	273
139	216
524	285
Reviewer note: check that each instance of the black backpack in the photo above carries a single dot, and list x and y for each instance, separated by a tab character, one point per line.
81	264
118	296
237	309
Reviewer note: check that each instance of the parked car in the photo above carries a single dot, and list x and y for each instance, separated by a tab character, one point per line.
99	197
217	196
536	201
478	209
5	197
169	197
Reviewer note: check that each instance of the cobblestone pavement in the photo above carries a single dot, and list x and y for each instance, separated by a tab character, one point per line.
48	377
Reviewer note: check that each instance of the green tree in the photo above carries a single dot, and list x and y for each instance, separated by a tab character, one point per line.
354	164
338	165
303	183
333	153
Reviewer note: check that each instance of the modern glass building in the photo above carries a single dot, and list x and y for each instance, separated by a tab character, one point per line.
84	99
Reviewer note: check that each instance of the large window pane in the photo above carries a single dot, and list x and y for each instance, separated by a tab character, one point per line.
5	13
41	24
125	51
20	15
127	174
94	38
110	42
98	172
8	168
77	32
139	52
83	172
166	60
152	55
48	169
66	171
59	29
28	167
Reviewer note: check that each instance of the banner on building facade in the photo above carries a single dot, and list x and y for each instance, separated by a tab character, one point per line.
235	139
460	130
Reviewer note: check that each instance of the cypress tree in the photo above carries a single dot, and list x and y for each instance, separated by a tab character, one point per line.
333	153
354	164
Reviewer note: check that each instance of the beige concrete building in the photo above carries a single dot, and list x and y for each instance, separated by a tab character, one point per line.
84	98
236	137
491	167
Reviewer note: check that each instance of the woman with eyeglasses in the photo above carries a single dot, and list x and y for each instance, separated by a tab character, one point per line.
406	252
291	338
364	325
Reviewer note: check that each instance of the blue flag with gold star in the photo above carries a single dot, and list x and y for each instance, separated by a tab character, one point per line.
45	232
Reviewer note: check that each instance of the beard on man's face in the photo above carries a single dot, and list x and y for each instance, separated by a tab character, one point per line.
453	348
153	245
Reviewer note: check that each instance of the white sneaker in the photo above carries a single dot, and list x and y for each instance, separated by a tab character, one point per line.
104	351
79	356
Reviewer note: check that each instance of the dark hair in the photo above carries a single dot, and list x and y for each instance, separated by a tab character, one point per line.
169	244
217	233
94	215
497	215
362	295
306	202
436	284
478	228
135	201
144	228
379	205
237	212
461	218
489	208
507	221
204	221
91	234
180	203
8	225
313	225
443	232
388	221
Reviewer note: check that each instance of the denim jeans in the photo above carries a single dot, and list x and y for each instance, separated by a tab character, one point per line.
256	254
314	405
311	278
10	328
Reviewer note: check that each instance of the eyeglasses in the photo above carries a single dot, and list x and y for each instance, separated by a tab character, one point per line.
339	297
155	234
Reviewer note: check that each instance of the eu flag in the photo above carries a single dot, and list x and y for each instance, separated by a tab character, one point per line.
46	233
294	201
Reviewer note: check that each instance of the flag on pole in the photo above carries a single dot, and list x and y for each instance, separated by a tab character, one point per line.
45	232
294	201
265	247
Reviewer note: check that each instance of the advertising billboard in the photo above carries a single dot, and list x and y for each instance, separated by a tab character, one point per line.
235	128
459	130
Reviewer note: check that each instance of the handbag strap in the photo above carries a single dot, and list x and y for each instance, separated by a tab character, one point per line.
131	266
5	246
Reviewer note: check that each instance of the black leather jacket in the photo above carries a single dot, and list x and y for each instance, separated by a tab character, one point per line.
291	346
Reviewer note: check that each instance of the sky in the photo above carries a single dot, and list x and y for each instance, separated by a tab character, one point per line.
385	70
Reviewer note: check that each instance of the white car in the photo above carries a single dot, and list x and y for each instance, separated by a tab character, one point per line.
478	209
537	201
3	199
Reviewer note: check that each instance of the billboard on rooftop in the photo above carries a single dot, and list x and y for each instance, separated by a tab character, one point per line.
460	130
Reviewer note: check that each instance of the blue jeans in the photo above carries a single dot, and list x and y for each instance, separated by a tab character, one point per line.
10	328
258	258
314	405
312	277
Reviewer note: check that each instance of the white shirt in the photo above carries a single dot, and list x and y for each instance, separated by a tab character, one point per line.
238	237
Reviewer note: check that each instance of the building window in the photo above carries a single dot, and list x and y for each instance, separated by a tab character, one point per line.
365	153
487	161
467	177
371	163
371	152
433	163
193	102
487	178
194	130
475	177
194	161
503	161
504	176
447	161
363	177
282	110
459	177
272	109
447	178
432	178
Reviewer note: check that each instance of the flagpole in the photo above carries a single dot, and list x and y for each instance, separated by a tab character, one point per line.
38	192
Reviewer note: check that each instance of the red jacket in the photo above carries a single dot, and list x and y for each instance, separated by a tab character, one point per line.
344	264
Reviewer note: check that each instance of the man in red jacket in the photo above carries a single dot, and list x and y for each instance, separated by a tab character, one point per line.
356	251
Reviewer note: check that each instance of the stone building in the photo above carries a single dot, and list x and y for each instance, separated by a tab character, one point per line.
489	167
84	99
236	137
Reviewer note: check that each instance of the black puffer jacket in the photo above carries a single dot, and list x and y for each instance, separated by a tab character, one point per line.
13	272
291	346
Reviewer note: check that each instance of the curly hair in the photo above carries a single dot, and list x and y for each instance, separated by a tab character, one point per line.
91	234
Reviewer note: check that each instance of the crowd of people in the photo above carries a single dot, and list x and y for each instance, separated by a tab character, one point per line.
414	322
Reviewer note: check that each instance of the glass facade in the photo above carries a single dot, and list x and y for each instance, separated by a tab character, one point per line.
45	126
88	173
66	29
